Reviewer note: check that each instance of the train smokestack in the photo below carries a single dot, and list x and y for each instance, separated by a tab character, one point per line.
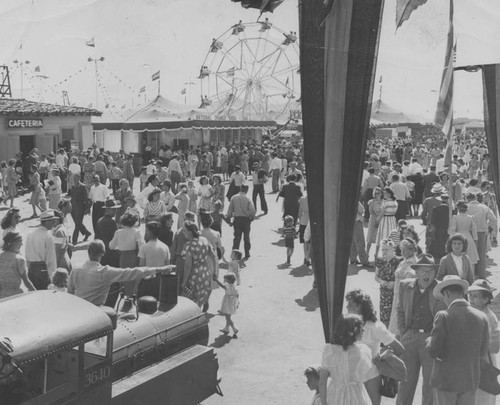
168	291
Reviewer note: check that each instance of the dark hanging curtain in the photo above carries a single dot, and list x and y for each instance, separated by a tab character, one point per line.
338	60
491	94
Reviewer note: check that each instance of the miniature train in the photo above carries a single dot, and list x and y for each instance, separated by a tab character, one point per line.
69	351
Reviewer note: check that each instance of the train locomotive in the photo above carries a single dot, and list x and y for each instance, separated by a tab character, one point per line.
69	351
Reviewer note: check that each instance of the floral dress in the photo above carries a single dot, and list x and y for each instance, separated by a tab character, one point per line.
375	208
403	272
88	174
386	272
206	192
198	285
219	193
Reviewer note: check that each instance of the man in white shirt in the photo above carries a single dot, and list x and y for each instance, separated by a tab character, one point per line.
175	172
99	193
167	196
275	171
92	281
402	195
238	177
440	164
41	252
415	167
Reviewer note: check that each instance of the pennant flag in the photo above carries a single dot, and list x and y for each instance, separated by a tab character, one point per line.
230	72
380	80
142	90
155	76
336	116
90	105
287	81
444	112
183	91
404	8
37	68
90	42
123	106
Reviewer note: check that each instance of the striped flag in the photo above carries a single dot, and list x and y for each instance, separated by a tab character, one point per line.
155	76
183	91
404	8
444	113
90	42
337	64
142	90
37	68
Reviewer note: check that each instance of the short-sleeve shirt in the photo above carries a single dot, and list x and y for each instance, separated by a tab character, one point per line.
155	252
374	334
12	266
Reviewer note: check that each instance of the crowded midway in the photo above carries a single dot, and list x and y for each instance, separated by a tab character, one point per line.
168	217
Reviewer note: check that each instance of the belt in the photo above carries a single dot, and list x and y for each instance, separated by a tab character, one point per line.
99	203
421	330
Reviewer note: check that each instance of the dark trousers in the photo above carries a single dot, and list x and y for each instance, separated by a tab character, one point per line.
367	197
358	244
276	179
38	274
78	214
97	213
402	210
482	241
242	227
258	190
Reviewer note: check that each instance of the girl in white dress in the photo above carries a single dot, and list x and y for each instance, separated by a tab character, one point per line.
230	302
347	363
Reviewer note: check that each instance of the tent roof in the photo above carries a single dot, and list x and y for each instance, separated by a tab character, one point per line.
383	113
22	107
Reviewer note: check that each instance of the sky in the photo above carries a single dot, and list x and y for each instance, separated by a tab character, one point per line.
140	37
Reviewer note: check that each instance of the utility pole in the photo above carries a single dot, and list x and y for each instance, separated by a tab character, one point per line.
101	59
21	64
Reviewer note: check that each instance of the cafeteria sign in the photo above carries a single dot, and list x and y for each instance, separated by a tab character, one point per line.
21	123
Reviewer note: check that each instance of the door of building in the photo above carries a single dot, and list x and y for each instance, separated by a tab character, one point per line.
26	144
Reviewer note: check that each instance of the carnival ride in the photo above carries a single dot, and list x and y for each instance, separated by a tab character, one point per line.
80	353
251	72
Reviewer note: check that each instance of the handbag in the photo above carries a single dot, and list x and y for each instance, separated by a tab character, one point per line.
391	366
388	387
488	379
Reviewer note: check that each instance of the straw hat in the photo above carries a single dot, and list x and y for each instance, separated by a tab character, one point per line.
437	188
481	285
447	281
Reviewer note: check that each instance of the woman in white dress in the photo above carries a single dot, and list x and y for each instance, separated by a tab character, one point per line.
347	363
387	218
464	223
375	333
408	251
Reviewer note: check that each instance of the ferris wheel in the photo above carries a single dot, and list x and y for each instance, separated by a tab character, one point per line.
251	72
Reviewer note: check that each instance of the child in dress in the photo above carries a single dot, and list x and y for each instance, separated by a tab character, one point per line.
347	363
59	280
217	217
233	266
230	301
289	234
480	297
312	375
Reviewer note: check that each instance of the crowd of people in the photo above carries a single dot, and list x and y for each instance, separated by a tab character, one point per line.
170	222
434	320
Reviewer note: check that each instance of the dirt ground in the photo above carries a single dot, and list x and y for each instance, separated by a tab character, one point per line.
280	331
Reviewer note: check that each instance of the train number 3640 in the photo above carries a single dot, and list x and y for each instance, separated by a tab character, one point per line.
97	376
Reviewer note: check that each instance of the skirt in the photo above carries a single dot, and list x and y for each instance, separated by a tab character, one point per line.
128	258
386	225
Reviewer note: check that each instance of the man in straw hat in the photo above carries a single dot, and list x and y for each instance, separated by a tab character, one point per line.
429	204
415	315
458	342
41	252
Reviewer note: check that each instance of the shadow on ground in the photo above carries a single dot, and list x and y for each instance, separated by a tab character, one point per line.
222	340
301	271
310	301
